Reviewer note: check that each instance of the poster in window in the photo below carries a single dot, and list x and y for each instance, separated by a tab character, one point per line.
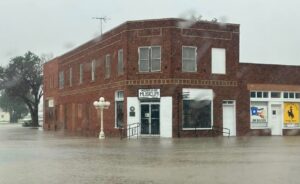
291	113
259	114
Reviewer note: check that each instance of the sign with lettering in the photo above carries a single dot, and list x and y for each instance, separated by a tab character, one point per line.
51	103
149	93
291	113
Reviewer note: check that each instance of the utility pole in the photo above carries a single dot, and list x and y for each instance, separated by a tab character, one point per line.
101	19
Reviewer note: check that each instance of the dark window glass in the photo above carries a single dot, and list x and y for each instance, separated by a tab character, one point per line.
259	94
253	94
275	94
285	95
266	94
197	114
297	95
120	113
292	95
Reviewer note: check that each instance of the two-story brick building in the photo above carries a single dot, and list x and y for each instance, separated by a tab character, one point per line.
173	77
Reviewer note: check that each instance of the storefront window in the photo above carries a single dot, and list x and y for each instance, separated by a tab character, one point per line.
197	108
291	115
259	114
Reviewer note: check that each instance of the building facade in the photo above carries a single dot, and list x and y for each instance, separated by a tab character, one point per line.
173	77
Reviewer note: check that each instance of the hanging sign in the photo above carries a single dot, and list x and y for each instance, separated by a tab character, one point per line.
149	93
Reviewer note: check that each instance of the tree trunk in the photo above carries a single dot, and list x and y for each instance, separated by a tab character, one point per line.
35	116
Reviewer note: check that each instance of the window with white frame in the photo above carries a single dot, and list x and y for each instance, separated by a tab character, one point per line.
93	70
80	73
259	94
150	59
197	108
107	66
120	62
291	95
218	61
61	79
259	114
189	62
119	110
70	77
291	115
275	94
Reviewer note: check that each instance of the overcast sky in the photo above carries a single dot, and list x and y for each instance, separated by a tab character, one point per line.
270	29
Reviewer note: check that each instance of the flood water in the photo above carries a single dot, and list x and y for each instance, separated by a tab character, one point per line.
35	156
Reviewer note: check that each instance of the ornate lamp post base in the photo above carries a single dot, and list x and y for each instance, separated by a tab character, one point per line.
101	135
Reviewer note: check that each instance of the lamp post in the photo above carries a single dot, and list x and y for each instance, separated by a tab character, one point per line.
100	105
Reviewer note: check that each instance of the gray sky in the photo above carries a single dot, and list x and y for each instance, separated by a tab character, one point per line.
270	29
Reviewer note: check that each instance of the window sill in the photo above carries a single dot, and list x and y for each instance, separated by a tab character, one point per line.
188	72
223	74
290	128
154	72
260	128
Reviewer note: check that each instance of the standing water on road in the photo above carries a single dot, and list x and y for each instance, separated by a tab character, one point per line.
35	156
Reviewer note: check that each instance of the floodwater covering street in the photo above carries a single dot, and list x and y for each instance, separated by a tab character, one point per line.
35	156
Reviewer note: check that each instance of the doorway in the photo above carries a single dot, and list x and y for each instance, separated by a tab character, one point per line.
276	119
150	119
229	117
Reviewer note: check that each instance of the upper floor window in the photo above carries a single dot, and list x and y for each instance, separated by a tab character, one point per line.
107	66
61	79
93	69
149	59
120	62
80	73
189	56
218	61
70	77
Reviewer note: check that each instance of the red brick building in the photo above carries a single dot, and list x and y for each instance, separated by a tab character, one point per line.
173	77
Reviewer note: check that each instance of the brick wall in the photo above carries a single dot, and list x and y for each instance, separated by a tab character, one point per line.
75	113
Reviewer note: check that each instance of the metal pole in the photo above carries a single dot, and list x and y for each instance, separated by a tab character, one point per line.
101	26
101	135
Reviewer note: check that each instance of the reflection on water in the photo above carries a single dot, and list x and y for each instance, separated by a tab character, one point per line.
34	156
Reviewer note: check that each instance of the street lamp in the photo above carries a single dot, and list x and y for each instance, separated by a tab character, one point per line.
100	105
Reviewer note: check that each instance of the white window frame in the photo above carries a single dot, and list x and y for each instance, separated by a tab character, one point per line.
107	65
150	59
80	73
216	58
93	69
118	99
70	77
182	59
268	110
61	79
120	62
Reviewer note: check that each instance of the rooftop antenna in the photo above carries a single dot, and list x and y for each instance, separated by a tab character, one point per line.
101	19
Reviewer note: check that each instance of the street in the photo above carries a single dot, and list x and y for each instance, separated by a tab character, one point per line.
35	156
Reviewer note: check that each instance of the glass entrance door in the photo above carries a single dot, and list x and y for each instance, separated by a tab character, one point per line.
150	118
